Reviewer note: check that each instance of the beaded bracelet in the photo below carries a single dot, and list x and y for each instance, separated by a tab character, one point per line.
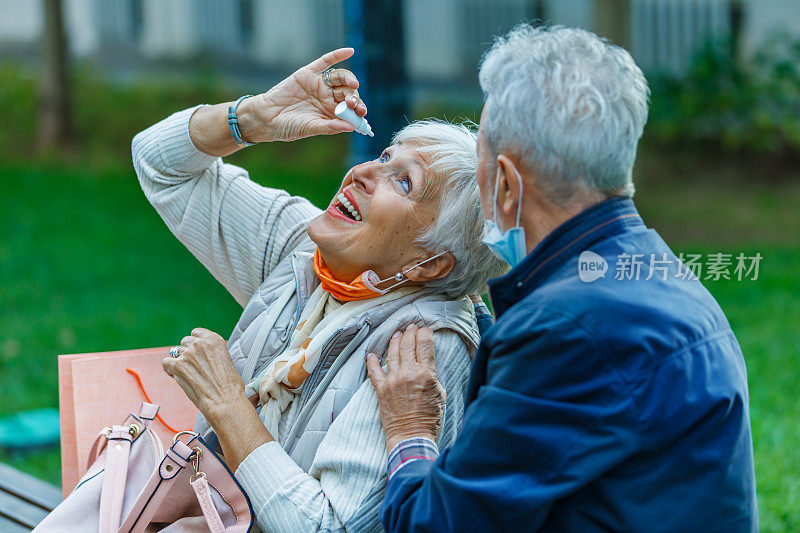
233	122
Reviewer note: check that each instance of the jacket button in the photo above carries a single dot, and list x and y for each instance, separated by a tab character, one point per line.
519	284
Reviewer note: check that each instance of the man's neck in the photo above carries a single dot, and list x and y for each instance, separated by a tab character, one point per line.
541	217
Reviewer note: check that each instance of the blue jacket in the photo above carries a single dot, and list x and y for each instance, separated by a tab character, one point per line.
594	404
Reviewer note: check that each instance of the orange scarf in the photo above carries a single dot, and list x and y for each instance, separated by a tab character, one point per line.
360	288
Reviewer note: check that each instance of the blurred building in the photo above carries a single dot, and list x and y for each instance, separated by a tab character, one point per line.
444	38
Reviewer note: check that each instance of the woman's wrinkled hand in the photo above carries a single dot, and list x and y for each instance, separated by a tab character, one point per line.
410	397
303	105
205	372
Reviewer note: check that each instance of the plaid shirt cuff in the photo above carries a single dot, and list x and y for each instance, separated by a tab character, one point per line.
481	309
411	450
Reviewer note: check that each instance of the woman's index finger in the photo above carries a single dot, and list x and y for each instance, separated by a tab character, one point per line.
393	353
331	58
426	348
408	345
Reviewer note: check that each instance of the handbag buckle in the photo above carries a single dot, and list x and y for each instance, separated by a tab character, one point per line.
197	455
178	436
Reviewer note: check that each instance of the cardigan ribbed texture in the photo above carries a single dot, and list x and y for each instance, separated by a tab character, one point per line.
240	231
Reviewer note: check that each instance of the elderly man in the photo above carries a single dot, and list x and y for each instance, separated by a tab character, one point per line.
604	398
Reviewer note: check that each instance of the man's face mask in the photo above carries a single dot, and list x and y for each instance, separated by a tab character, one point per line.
507	245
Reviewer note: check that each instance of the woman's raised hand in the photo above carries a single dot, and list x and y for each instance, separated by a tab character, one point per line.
303	104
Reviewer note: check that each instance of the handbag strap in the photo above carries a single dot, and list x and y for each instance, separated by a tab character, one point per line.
116	474
158	486
116	441
203	493
98	446
182	456
147	412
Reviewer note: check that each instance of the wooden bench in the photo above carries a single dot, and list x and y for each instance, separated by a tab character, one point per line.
24	500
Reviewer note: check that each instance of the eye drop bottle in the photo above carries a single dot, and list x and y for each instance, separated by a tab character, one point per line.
359	123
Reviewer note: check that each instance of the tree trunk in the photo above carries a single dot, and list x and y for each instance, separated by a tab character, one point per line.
736	15
55	121
612	20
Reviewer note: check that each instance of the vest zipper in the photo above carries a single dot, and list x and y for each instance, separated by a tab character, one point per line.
306	408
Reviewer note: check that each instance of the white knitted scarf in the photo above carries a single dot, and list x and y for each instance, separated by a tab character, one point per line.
282	380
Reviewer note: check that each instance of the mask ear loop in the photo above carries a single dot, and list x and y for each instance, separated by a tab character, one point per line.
403	274
494	206
519	202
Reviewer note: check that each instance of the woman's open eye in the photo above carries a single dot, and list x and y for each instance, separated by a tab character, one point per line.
384	157
405	183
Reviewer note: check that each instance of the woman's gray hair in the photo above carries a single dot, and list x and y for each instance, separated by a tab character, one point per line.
452	152
570	105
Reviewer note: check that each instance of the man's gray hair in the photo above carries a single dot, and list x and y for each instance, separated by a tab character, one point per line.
452	152
570	105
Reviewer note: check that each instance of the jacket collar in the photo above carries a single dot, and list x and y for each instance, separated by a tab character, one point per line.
562	244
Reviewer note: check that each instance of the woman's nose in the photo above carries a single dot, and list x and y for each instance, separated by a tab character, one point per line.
365	176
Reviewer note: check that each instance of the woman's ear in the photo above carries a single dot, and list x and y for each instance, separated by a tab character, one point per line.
508	193
433	269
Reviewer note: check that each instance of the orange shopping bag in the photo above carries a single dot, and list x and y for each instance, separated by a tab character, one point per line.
98	389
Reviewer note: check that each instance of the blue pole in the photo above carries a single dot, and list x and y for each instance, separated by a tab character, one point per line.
354	22
375	30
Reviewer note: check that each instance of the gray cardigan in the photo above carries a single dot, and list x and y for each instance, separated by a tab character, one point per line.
327	468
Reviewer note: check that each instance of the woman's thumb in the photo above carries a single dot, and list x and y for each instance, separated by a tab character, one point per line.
340	126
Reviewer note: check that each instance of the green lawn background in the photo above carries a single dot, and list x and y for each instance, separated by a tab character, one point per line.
87	265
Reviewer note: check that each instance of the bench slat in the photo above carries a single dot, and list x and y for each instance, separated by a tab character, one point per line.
7	526
20	511
29	488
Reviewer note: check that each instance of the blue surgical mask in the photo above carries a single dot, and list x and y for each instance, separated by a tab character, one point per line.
507	245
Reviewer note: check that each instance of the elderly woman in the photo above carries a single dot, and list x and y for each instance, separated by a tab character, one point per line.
399	246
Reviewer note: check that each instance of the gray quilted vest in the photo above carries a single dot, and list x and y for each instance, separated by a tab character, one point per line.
342	367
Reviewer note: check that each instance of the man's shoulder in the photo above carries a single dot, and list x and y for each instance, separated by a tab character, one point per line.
626	288
633	322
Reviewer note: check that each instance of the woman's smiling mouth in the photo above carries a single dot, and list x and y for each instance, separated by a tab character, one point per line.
344	208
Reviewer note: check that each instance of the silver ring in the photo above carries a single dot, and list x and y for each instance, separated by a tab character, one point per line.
326	77
173	352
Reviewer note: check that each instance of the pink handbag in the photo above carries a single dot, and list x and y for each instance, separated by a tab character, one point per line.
95	389
133	486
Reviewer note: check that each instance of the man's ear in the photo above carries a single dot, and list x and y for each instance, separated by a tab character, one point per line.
508	192
433	269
